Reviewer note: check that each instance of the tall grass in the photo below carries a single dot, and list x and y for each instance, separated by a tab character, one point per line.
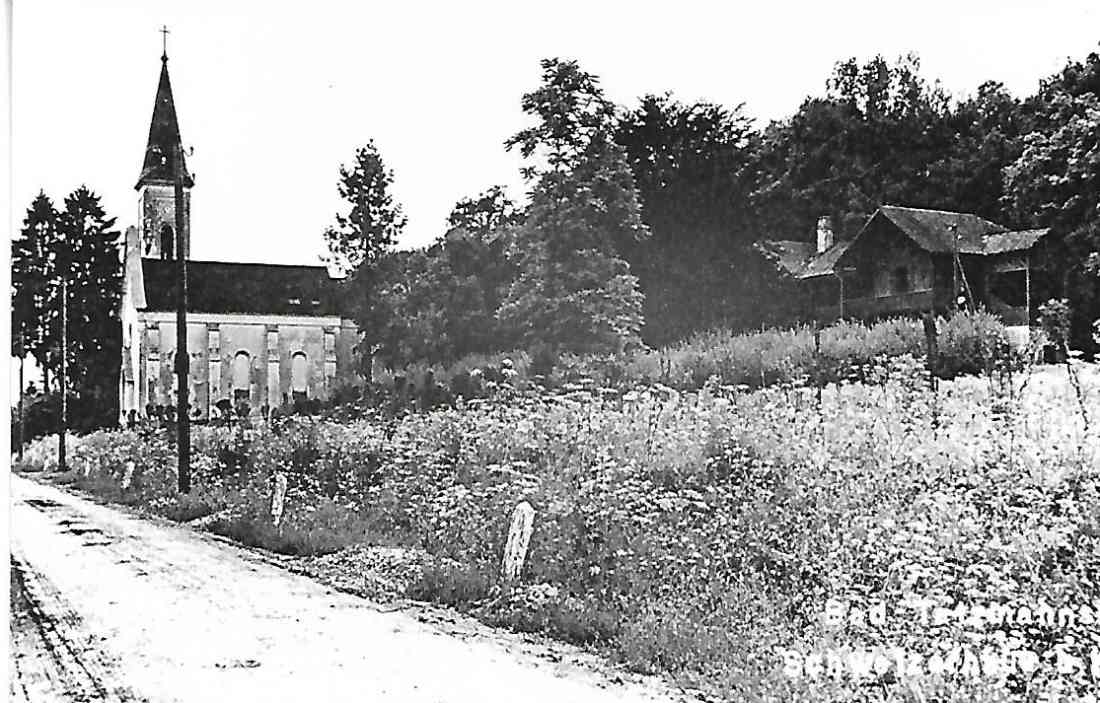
968	343
696	534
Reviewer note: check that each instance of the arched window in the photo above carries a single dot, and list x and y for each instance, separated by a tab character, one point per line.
167	241
299	376
242	372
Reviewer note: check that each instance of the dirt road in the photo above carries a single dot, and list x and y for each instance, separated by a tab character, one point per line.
112	607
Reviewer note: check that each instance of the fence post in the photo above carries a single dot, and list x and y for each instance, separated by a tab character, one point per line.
818	376
931	349
128	475
519	537
278	498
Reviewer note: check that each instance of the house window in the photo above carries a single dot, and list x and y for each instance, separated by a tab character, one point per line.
242	367
299	376
167	241
901	280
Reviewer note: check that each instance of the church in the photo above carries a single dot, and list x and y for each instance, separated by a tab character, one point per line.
259	336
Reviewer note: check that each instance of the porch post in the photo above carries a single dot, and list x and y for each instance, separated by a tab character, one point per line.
1027	287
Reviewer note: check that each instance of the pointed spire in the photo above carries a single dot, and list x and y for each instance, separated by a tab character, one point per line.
164	136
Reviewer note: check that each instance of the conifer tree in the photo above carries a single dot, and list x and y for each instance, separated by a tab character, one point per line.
33	272
360	240
373	220
90	247
78	244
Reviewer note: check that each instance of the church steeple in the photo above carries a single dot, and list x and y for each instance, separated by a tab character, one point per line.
164	137
156	185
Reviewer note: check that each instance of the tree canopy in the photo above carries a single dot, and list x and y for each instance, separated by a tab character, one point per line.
574	290
79	245
642	224
372	222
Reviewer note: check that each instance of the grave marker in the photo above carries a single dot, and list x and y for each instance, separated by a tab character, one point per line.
519	538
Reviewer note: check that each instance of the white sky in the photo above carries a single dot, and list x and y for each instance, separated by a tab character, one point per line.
274	96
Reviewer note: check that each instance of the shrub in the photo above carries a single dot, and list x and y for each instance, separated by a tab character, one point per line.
457	586
970	343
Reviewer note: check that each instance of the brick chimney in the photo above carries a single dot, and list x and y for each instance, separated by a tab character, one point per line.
824	233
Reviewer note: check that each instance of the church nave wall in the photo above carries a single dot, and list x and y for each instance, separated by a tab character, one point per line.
261	361
158	350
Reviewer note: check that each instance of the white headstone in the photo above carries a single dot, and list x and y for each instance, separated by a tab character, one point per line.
278	497
519	537
127	475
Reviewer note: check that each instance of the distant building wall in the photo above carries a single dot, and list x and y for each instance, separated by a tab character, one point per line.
214	342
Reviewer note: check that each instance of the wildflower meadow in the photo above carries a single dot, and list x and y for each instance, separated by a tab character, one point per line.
747	542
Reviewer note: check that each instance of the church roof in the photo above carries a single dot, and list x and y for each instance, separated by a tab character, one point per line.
164	136
248	288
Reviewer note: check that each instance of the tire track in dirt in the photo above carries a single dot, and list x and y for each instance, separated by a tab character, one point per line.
52	658
175	615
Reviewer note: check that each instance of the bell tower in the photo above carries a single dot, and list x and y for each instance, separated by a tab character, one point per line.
156	185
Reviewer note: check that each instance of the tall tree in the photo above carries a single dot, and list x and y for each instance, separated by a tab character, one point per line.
869	141
1055	183
485	213
693	166
360	240
91	248
476	252
34	272
79	244
373	221
986	134
409	317
574	291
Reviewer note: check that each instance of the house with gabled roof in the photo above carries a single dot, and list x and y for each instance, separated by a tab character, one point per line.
258	335
911	261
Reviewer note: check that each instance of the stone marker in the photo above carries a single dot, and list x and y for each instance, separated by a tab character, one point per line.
278	497
519	537
127	475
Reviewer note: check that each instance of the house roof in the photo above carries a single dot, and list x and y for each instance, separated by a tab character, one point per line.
1013	241
799	259
932	230
164	137
789	255
935	230
824	264
224	287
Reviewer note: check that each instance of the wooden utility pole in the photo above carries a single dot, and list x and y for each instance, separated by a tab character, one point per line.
63	425
955	267
364	270
183	419
22	416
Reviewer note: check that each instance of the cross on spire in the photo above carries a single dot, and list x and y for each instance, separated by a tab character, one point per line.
164	137
164	32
